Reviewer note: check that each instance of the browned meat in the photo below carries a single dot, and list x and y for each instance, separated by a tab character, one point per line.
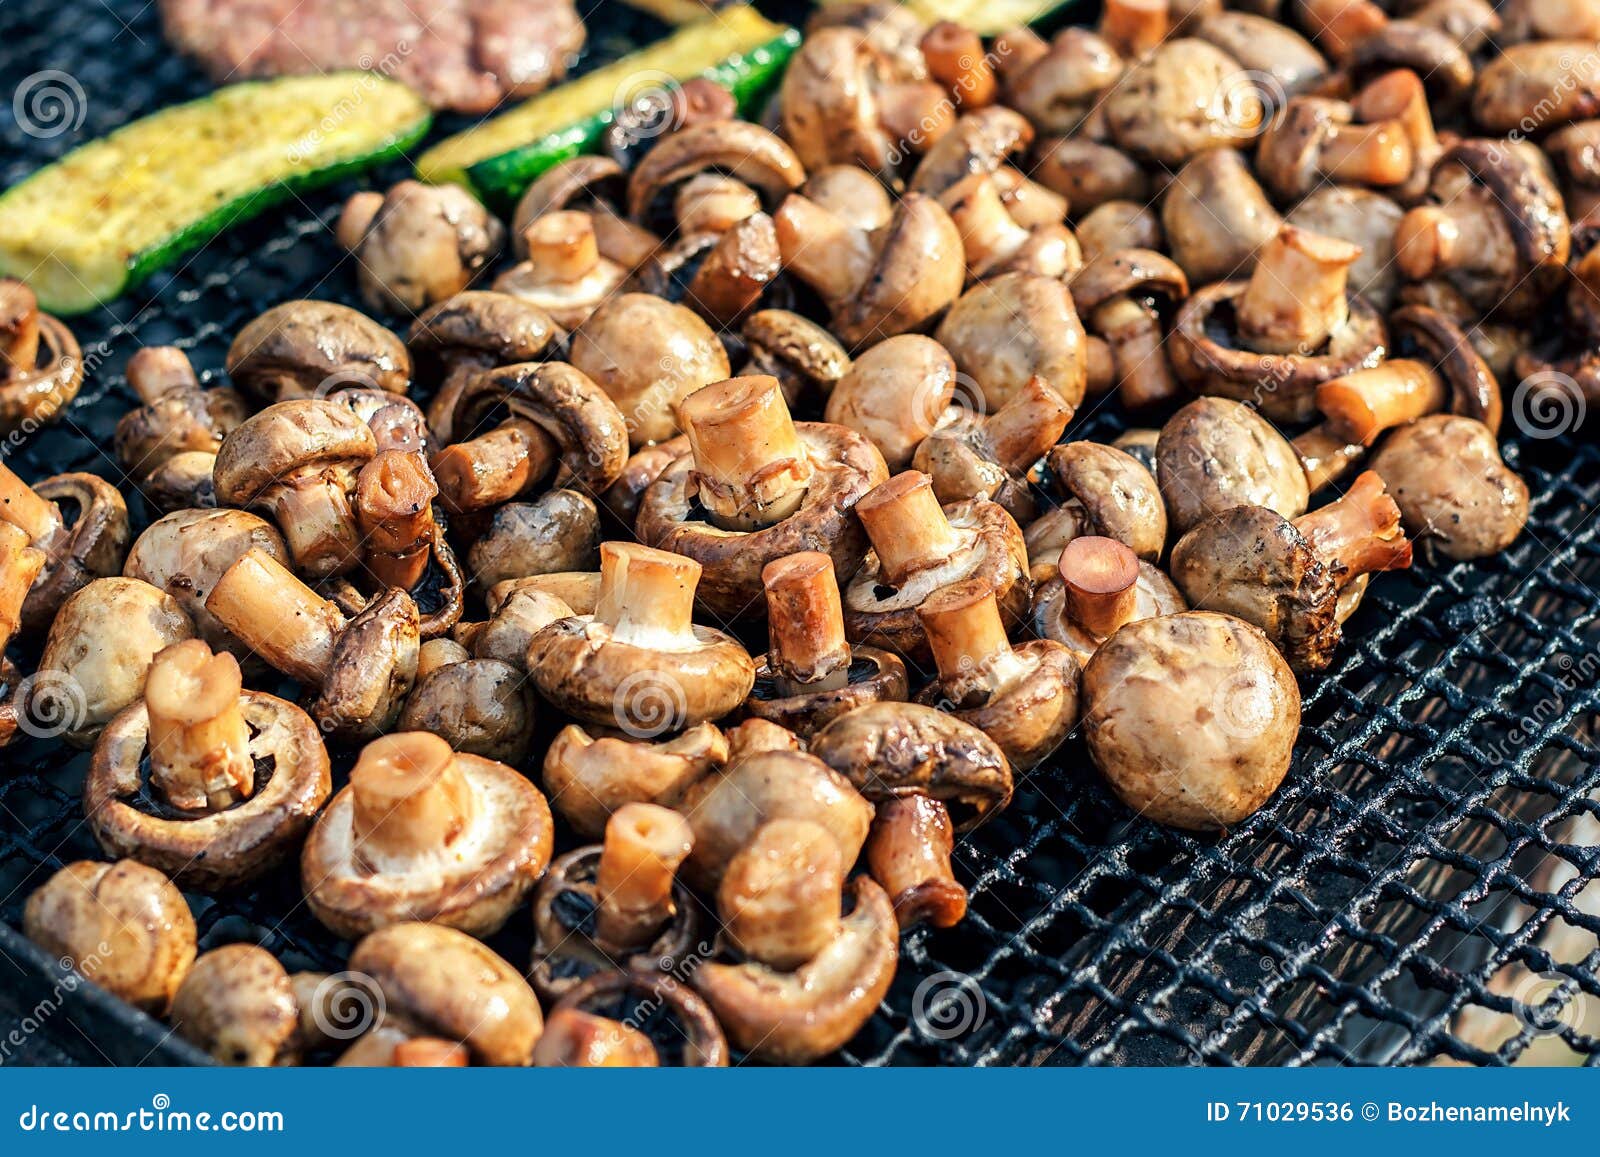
459	54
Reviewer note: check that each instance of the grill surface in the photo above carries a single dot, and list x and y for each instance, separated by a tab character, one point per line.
1414	893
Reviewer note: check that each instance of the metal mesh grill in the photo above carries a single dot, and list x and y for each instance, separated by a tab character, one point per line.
1414	893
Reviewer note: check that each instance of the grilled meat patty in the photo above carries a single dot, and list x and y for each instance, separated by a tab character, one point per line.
459	54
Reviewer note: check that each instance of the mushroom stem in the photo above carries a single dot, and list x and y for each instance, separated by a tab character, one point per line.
1325	455
1101	372
37	517
1022	431
1132	331
410	799
808	651
20	564
907	527
561	248
969	644
1362	405
751	469
19	329
1135	26
277	616
957	62
1359	533
1296	294
908	852
312	509
1367	154
394	505
1400	96
644	846
711	203
577	1039
495	467
359	213
822	249
647	596
199	742
1336	25
781	896
158	370
989	235
1433	239
430	1052
1101	577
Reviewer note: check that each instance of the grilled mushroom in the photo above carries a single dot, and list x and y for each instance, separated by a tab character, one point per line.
756	487
1549	83
1012	328
1106	492
1215	454
360	669
589	777
41	366
425	833
1276	53
417	244
805	358
303	349
235	776
123	926
594	185
1186	96
896	393
1216	217
1098	587
1191	718
478	706
740	149
1361	217
557	533
909	853
1121	294
1316	139
177	418
995	242
1060	86
563	272
77	550
594	1025
1090	174
1457	498
975	456
238	1004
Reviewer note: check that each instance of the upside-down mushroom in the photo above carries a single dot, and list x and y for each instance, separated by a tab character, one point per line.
41	366
973	455
79	522
1099	586
563	272
611	1019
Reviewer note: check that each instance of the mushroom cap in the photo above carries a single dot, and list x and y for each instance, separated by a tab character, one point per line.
1142	272
1436	55
562	401
238	1005
587	673
648	354
479	706
301	435
298	348
446	984
185	552
1154	594
844	465
374	664
874	677
93	548
225	848
1215	454
97	655
500	328
796	1017
590	177
1289	154
1191	718
1034	716
1090	174
1058	91
1184	97
889	750
1437	339
1263	44
122	925
1004	331
918	268
1118	497
182	482
1362	217
1216	216
1206	354
828	103
725	810
590	777
1457	497
491	868
1253	564
425	243
882	616
895	393
739	148
179	420
697	1040
979	142
557	533
40	393
807	360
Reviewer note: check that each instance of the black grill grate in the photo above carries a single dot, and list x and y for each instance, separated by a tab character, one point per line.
1414	893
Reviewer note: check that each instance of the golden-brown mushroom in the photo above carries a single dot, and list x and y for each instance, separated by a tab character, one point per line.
588	777
417	244
77	549
41	366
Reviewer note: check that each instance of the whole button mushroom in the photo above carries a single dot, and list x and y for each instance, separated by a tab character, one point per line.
1548	20
1060	86
1191	718
1186	96
1090	175
1006	330
87	545
187	551
757	486
235	776
516	615
593	185
738	149
1215	454
1439	55
810	674
123	926
1123	294
1315	139
1098	587
639	662
581	1031
648	355
359	669
896	393
563	272
177	418
1266	47
425	833
440	985
298	461
417	244
239	1005
478	706
919	547
1272	339
1361	217
300	349
807	360
41	366
877	283
1025	697
1106	492
995	242
97	654
1457	497
1216	217
558	533
1495	228
1286	578
616	906
1537	86
589	777
584	1040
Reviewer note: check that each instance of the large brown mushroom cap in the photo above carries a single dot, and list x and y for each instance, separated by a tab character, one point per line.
238	1004
1456	495
1005	331
479	706
588	777
1362	217
1265	46
224	848
1192	718
419	244
299	348
305	434
1185	97
807	360
438	982
557	533
742	150
1115	496
374	665
122	925
895	393
1215	454
1216	217
648	355
1537	86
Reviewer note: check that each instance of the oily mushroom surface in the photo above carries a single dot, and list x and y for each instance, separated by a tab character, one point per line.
238	1004
1217	453
1457	497
295	349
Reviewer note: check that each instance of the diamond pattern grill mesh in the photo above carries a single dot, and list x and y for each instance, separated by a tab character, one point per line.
1416	892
